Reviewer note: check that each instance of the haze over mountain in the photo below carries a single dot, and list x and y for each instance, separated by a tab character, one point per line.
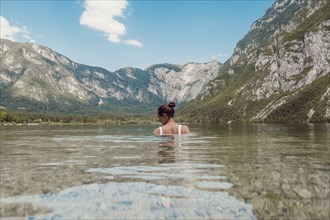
279	72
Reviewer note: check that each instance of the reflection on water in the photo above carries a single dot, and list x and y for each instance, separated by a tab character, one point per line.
242	171
167	150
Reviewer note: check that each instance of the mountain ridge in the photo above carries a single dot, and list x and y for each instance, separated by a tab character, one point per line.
33	75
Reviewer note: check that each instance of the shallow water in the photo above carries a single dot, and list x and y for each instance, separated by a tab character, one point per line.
236	171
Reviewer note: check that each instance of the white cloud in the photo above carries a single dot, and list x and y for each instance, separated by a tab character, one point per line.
103	16
10	32
134	43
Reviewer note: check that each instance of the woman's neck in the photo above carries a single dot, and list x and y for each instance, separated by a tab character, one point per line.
170	122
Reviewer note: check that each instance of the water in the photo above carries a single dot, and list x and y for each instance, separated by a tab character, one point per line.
236	171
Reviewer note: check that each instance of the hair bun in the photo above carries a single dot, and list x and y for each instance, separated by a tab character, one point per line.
171	104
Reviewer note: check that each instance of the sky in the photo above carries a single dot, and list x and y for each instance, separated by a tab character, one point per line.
114	34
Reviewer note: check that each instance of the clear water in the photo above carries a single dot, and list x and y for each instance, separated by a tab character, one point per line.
236	171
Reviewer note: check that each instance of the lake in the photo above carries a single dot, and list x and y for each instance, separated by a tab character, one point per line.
234	171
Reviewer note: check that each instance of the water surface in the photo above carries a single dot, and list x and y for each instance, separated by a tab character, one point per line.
236	171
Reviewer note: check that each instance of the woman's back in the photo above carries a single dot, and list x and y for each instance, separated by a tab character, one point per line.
165	116
170	129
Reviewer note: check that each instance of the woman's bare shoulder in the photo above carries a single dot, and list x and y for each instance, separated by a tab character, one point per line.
157	131
185	129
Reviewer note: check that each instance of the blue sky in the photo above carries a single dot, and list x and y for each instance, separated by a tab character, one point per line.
138	33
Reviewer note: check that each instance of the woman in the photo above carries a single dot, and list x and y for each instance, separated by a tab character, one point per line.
165	115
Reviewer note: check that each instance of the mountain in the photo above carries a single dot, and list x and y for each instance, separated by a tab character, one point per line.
182	83
279	71
36	78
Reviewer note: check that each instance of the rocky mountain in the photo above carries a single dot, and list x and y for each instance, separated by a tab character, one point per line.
36	78
279	71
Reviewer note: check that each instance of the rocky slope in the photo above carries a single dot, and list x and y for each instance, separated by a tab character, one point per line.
33	77
279	72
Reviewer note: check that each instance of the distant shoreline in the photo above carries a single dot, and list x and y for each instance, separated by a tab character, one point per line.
76	123
36	119
57	119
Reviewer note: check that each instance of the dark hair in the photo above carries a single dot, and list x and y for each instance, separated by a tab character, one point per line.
167	109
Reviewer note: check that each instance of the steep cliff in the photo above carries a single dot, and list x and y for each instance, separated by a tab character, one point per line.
279	71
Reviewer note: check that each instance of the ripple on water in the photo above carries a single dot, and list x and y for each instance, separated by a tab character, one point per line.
193	173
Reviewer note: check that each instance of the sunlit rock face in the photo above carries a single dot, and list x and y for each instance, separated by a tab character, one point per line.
281	64
285	48
296	64
184	83
37	73
33	73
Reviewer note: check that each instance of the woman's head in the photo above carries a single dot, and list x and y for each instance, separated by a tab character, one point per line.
165	112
